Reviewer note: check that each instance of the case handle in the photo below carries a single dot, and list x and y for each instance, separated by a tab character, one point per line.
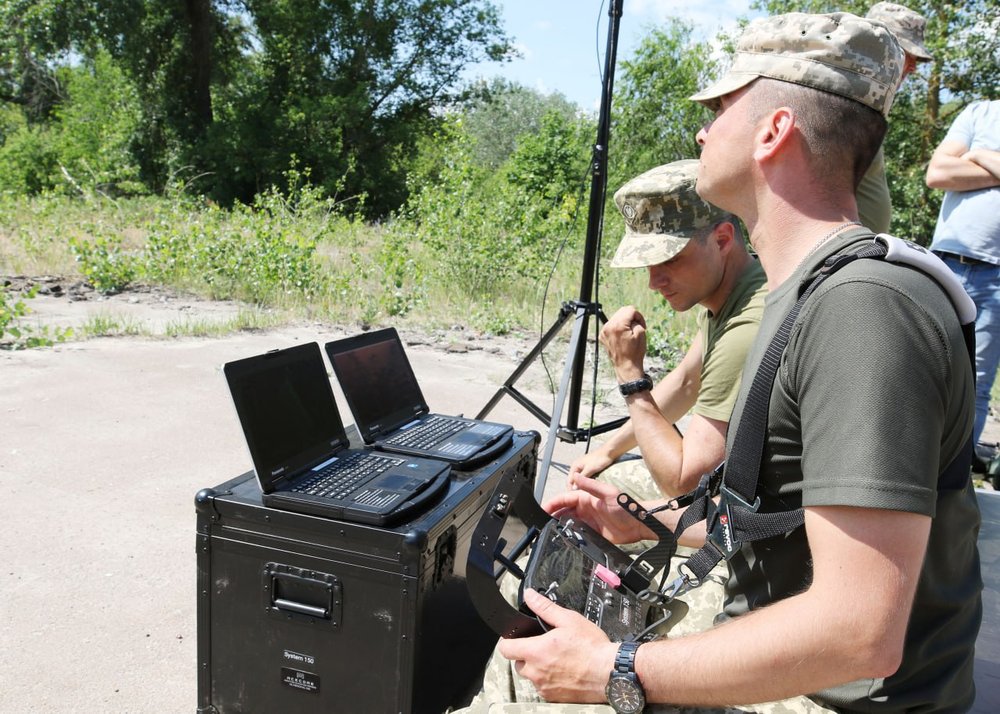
300	594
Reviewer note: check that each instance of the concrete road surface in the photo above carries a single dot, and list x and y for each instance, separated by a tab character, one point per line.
103	446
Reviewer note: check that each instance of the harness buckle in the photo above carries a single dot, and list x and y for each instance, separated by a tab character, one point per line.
721	532
707	484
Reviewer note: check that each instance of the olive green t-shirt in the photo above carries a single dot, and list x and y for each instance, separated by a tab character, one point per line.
873	399
874	202
727	337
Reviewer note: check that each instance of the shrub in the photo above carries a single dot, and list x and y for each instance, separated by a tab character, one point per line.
86	144
241	254
104	263
14	334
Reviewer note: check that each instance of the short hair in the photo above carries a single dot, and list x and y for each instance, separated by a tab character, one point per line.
843	135
701	235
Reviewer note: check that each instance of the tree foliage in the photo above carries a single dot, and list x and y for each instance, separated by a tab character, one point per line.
230	90
654	121
492	224
87	146
228	98
501	112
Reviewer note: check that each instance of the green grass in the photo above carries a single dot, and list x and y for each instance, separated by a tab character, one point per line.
288	263
248	320
312	264
106	324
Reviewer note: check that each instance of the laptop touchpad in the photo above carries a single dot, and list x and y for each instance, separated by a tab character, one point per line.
400	482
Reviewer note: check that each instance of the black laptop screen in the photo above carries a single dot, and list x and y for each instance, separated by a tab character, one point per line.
377	380
287	410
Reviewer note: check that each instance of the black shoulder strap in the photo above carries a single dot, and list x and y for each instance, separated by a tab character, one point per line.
743	462
735	519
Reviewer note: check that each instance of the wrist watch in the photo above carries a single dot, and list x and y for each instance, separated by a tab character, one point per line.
624	692
637	385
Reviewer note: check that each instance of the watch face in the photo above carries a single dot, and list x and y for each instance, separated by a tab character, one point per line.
625	695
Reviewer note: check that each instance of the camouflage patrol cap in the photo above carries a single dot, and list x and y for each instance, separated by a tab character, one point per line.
838	53
907	25
662	211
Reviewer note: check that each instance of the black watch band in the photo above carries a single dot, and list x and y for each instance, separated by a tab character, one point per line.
624	690
637	385
625	659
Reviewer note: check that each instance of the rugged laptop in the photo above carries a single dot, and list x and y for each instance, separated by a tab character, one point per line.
300	451
390	411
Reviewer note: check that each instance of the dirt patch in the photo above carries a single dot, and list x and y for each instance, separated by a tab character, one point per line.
62	302
106	443
153	311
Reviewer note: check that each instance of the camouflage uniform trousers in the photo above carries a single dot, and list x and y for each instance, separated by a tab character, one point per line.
505	692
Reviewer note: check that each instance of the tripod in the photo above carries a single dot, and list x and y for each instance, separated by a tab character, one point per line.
582	308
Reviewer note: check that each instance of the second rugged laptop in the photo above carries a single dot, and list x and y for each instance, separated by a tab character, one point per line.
389	408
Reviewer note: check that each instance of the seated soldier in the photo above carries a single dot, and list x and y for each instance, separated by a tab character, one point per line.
696	256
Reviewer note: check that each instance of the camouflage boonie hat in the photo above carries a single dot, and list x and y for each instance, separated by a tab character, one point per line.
837	53
661	211
907	25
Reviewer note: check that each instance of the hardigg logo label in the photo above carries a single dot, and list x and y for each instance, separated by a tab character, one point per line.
297	679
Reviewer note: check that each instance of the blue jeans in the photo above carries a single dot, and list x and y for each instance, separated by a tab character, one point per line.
982	282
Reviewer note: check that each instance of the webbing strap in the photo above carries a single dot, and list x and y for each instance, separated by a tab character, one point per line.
743	463
735	520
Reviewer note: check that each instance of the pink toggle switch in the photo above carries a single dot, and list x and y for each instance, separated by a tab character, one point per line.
608	576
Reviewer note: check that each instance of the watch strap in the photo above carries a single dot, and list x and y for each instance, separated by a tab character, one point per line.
637	385
624	690
625	658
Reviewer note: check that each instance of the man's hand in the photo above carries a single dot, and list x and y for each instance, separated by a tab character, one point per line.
596	504
589	466
986	159
569	663
624	337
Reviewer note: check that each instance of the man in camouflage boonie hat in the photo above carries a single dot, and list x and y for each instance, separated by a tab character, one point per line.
837	53
907	25
662	211
696	257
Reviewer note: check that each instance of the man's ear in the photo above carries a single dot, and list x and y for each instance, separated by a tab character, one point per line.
773	133
723	235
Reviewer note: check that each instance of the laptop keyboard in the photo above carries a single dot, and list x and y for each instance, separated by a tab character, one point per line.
340	478
428	433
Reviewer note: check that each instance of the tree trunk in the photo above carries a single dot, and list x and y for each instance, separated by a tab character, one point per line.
199	14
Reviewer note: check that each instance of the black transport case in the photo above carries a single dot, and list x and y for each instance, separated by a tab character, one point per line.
304	614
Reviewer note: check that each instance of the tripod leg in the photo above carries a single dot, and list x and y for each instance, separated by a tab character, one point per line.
508	386
579	329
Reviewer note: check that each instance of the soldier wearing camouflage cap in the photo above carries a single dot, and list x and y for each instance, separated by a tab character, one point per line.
793	131
907	25
874	201
662	210
872	603
695	256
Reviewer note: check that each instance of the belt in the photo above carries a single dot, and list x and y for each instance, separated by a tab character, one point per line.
964	259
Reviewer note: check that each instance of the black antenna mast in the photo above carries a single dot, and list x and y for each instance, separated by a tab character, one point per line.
581	309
